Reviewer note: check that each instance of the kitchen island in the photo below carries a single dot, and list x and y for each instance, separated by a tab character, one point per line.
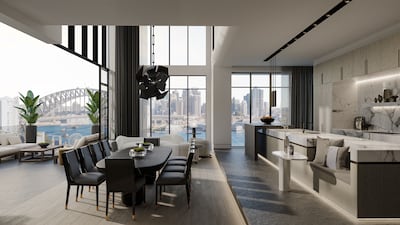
369	189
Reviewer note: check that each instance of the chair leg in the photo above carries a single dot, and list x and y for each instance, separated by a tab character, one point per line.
188	194
133	204
107	198
77	192
82	191
144	193
97	197
156	193
66	201
113	199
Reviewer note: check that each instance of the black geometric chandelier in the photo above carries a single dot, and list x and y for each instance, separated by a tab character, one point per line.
152	81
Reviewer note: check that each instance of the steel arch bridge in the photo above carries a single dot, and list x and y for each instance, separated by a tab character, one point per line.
65	102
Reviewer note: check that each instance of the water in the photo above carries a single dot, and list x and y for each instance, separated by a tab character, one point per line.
237	138
64	131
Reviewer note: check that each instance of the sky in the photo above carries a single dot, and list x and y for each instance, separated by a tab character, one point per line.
30	64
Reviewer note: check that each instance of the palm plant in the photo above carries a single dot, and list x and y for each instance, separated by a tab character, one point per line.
93	106
29	111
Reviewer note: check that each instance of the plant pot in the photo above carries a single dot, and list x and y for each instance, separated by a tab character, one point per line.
95	128
30	133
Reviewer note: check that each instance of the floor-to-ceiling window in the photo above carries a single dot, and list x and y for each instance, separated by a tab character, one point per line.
182	109
59	77
251	100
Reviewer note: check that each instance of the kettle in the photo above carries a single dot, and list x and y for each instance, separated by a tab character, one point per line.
359	123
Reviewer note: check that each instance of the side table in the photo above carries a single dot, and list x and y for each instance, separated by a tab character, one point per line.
284	167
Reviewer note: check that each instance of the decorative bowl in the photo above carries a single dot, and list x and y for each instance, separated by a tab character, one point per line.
43	144
267	120
138	149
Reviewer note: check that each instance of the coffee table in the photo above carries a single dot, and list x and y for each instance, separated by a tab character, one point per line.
38	153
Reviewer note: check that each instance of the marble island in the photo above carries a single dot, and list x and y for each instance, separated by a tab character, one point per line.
374	168
361	149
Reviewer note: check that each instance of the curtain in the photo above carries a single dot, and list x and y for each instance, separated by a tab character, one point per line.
126	86
302	97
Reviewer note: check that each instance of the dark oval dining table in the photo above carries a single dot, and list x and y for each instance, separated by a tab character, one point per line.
153	160
147	165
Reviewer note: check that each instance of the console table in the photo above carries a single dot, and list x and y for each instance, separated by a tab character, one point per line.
284	167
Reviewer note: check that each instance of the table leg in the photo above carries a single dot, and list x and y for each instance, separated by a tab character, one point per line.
284	174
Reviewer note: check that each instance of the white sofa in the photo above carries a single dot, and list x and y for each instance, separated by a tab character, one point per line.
11	144
123	142
177	143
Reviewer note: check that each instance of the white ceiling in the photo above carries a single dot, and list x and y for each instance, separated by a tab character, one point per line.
258	27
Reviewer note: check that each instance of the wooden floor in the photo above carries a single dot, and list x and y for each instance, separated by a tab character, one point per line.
212	200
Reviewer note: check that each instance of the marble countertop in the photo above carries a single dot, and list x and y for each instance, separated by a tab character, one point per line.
361	149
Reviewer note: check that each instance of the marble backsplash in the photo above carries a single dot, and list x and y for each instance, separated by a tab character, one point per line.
380	118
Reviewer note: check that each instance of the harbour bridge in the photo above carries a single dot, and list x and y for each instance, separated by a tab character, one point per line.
66	106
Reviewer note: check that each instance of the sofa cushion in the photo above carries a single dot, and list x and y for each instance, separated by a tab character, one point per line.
124	142
4	139
322	148
14	140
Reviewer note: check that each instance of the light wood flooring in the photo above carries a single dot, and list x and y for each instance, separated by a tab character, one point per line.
34	193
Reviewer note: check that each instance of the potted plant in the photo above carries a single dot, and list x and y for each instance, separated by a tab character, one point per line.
30	114
93	107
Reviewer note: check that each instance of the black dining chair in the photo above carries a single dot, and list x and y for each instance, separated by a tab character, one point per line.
76	177
106	147
121	177
180	160
97	154
176	178
86	160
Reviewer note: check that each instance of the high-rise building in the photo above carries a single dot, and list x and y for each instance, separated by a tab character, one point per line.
257	107
195	103
8	113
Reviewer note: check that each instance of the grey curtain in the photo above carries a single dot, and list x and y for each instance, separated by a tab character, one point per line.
126	87
302	97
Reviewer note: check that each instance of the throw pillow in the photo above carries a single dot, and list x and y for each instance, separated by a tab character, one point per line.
14	140
337	158
331	157
343	158
4	139
81	142
322	148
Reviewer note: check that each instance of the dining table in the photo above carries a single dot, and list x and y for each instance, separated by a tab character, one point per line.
147	165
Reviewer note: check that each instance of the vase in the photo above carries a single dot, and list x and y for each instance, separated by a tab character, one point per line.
95	128
30	133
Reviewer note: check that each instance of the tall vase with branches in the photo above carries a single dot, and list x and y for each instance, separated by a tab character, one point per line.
30	114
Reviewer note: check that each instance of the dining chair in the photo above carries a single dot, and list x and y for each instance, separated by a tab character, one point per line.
97	154
181	160
86	159
176	178
121	177
106	147
76	177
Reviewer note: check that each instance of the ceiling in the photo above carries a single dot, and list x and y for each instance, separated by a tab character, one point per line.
256	28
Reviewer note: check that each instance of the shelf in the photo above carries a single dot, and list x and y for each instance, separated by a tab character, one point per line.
385	104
